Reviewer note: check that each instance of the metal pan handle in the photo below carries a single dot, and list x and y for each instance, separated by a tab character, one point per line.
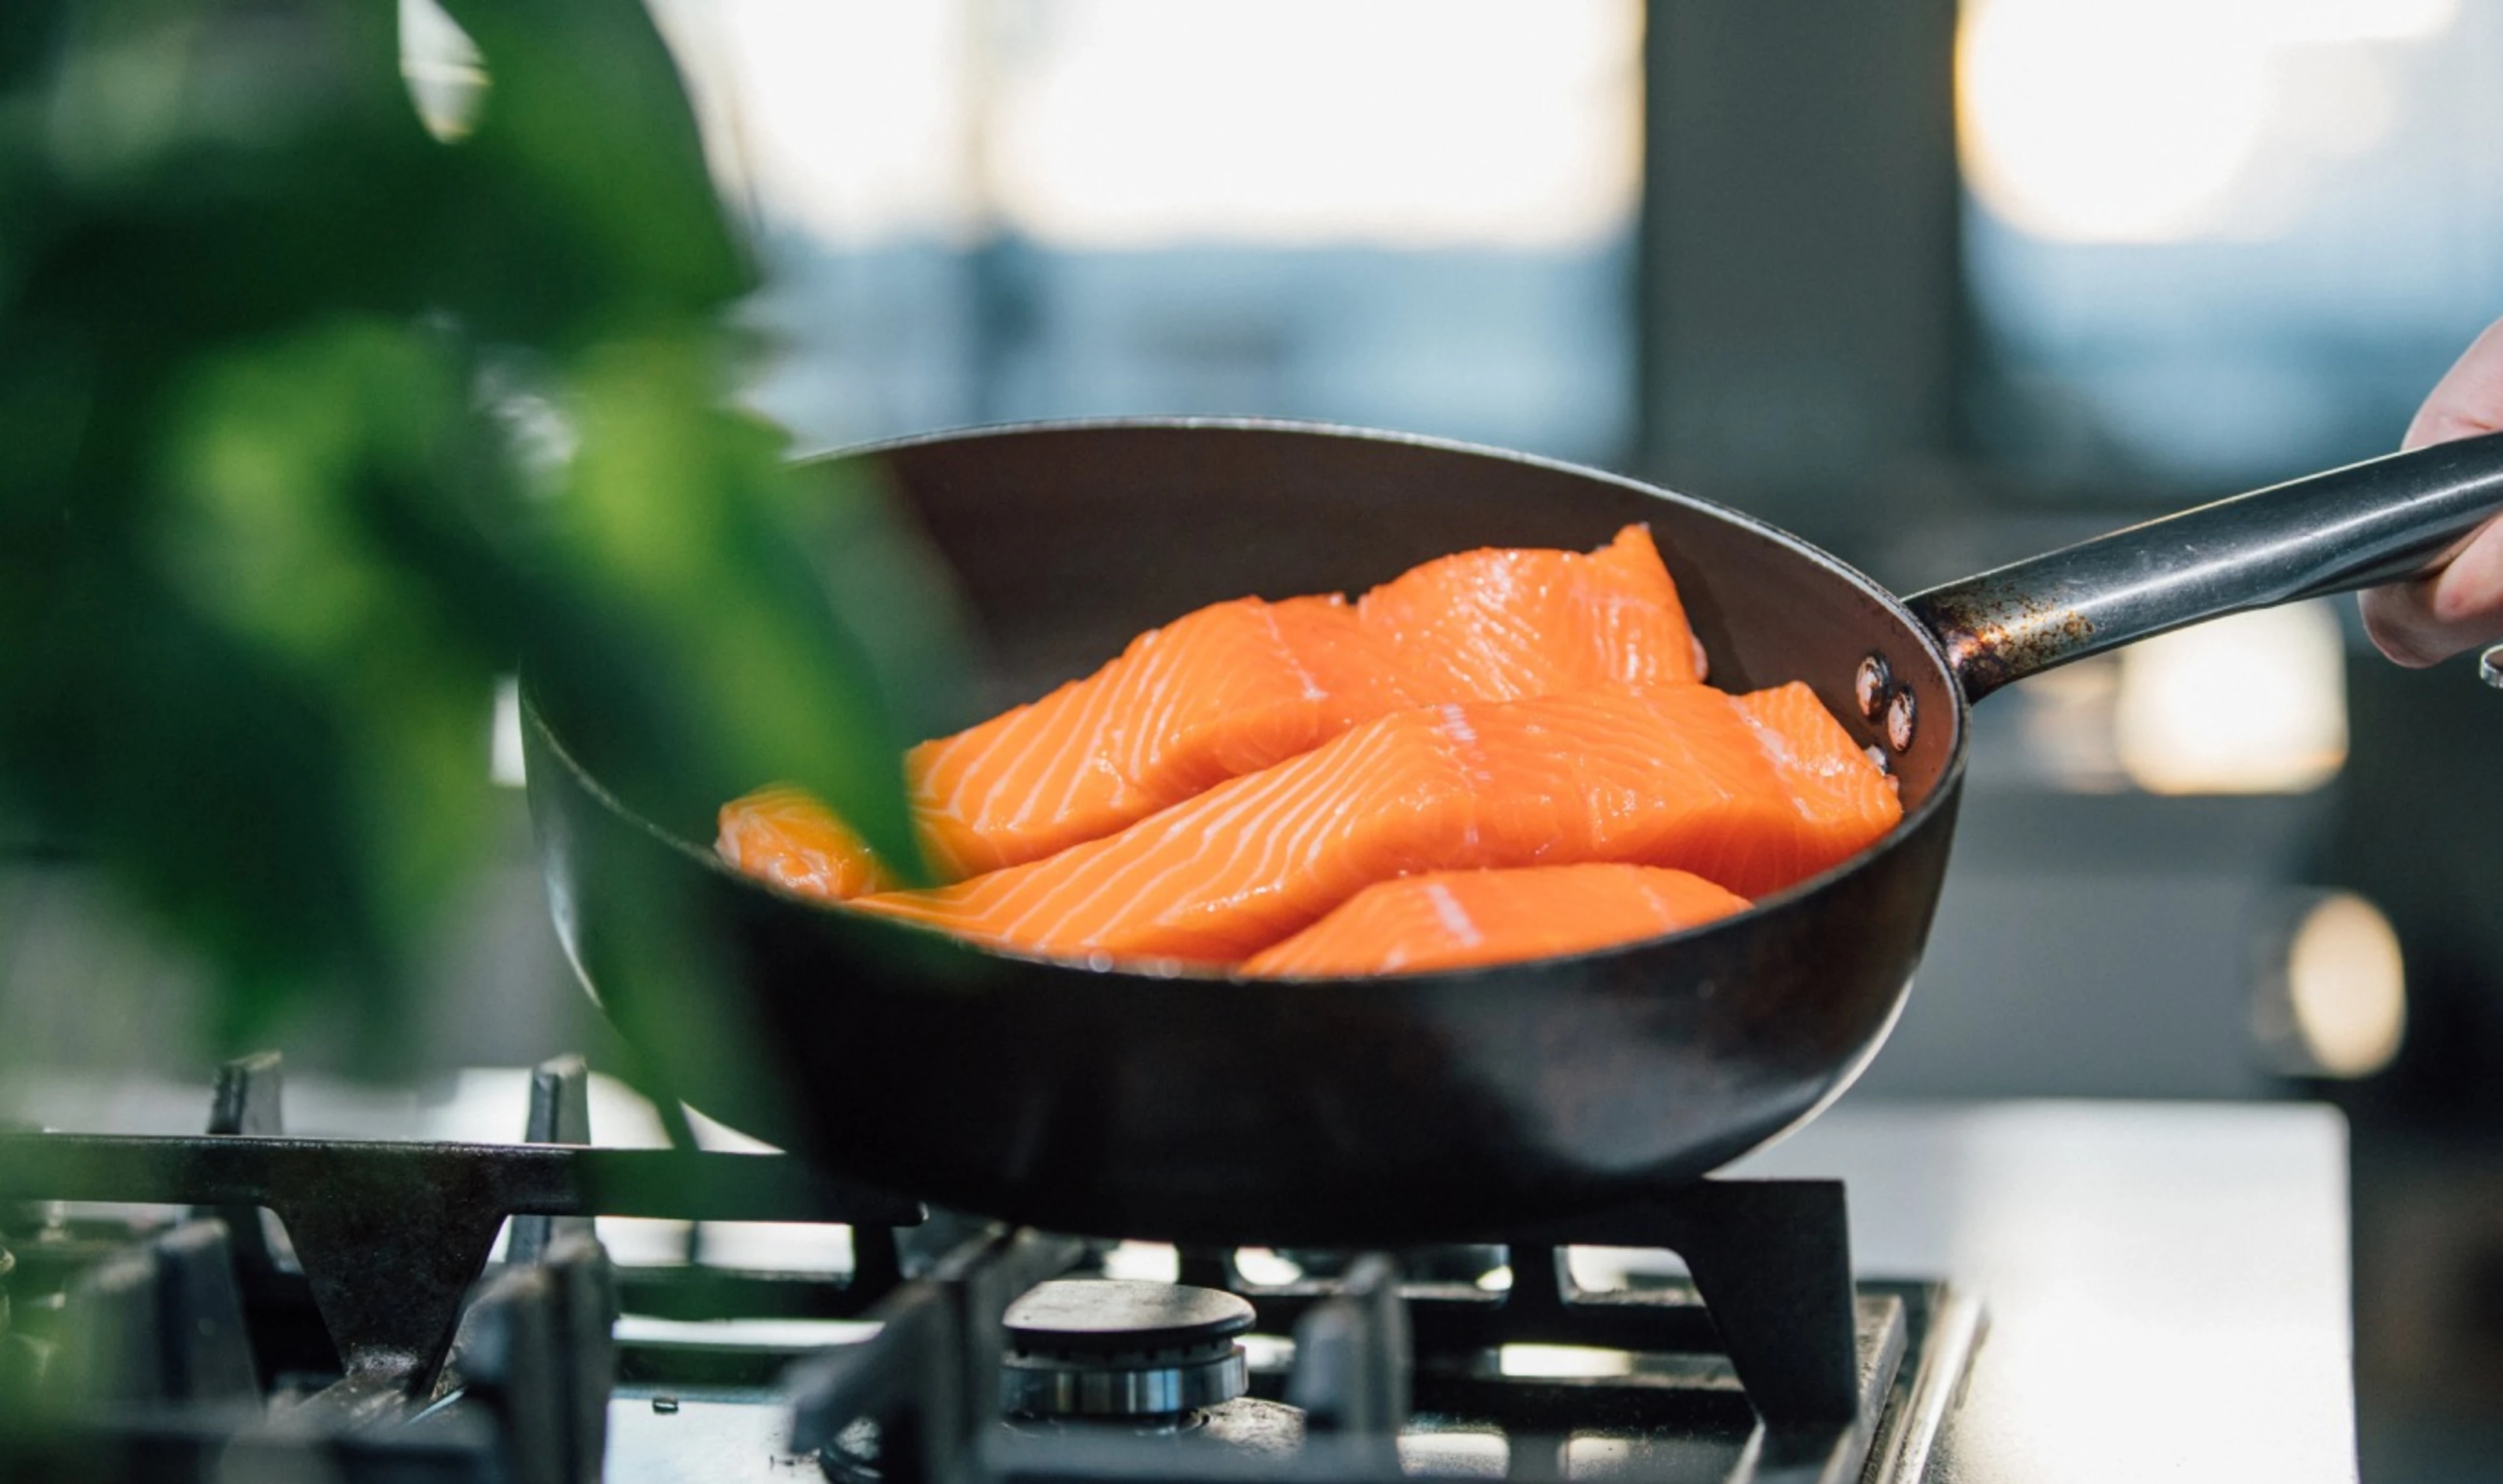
2350	528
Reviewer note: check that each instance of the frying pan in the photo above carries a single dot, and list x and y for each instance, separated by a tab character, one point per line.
1103	1099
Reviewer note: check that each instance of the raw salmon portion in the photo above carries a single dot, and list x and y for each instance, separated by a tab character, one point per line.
1236	686
1447	919
1226	690
1831	779
785	836
1502	624
1679	775
1223	691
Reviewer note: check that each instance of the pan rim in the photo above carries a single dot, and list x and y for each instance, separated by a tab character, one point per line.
1180	972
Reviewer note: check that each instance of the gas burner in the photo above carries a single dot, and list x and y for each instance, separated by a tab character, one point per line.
1770	1363
1121	1348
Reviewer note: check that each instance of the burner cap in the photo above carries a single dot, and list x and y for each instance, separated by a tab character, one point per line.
1103	1347
1100	1316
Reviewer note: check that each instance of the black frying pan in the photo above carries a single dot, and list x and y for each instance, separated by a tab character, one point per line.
1373	1110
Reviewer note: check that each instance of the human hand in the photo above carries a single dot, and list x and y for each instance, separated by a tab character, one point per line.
2459	605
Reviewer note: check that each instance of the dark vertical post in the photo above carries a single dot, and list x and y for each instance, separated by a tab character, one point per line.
560	1112
286	1330
247	1104
1800	288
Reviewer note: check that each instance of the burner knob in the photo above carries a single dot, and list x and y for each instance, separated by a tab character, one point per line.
1109	1347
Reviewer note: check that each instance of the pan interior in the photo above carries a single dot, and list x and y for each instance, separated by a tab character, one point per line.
1069	541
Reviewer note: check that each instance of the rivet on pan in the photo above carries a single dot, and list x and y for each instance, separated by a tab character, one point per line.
1899	716
2489	667
1869	685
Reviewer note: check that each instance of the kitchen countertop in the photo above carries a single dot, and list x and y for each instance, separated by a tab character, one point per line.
2166	1283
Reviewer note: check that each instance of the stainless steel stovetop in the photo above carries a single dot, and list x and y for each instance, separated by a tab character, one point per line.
873	1350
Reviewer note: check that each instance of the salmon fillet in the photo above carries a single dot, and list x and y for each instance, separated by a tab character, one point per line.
1502	624
785	836
1447	919
1237	686
1223	691
1835	784
1753	797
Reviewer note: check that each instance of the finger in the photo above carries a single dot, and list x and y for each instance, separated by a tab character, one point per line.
2469	397
2433	617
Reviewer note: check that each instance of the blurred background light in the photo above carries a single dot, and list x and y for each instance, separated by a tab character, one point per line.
2215	243
1416	123
2150	121
2348	986
2063	719
2121	140
846	121
2336	1004
2251	703
1112	124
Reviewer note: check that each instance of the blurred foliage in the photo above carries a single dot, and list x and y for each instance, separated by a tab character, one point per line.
315	423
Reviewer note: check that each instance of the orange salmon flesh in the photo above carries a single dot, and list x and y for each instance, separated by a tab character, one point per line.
1236	686
1452	920
1753	793
1498	755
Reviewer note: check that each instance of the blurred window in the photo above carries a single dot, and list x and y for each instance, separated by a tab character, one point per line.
1406	213
2217	241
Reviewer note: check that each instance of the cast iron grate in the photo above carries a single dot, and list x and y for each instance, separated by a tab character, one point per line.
211	1341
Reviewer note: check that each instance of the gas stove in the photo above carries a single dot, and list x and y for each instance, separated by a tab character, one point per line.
379	1327
1363	1370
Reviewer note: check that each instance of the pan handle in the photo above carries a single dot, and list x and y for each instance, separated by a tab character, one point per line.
2350	528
